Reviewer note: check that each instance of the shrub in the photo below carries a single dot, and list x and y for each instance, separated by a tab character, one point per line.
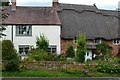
7	49
70	51
81	48
9	56
104	49
40	55
42	42
12	65
108	66
61	58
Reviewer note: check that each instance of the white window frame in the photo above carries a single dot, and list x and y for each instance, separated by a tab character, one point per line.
23	46
20	32
52	48
75	40
116	41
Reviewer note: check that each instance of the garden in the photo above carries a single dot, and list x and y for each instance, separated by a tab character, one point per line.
41	63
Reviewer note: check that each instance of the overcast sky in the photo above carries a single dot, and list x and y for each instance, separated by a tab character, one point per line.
101	4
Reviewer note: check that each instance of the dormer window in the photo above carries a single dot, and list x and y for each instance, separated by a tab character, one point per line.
97	41
116	41
23	30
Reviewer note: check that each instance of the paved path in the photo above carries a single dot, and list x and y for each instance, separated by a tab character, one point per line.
60	78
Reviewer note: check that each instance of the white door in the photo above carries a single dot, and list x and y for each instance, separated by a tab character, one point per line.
88	55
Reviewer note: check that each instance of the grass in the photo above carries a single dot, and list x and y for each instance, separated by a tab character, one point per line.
45	73
40	73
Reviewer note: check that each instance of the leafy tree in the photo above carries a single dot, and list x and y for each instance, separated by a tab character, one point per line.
3	15
81	48
0	57
42	42
9	56
70	51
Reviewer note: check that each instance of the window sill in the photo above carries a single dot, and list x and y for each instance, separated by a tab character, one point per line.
23	35
116	44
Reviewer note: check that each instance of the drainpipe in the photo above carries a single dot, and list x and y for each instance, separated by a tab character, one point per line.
12	33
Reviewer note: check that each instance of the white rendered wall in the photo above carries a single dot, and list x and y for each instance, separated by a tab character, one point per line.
52	32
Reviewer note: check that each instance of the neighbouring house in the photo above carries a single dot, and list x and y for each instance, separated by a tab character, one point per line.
24	24
98	25
61	23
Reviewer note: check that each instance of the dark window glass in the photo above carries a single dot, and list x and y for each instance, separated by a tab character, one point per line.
23	49
52	48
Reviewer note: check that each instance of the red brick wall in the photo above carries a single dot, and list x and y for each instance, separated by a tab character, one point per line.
115	48
64	44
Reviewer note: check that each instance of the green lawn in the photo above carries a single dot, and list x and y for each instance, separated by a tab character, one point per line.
36	73
44	73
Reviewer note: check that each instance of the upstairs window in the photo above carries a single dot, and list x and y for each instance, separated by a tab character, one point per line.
116	41
52	48
23	30
97	41
75	40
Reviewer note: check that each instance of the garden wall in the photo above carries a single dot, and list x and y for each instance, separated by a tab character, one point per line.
52	65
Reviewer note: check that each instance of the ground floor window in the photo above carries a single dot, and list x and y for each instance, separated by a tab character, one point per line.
97	41
116	41
23	49
52	48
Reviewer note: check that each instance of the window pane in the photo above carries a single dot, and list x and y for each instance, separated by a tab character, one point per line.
117	41
24	30
52	48
23	49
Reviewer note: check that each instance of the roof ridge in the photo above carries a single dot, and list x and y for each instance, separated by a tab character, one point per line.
32	7
77	4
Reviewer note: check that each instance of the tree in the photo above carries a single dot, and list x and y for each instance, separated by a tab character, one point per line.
42	42
9	56
3	15
81	48
70	51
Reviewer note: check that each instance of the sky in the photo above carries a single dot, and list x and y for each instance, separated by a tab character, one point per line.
101	4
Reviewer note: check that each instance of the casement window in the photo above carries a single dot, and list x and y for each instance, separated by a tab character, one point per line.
23	49
116	41
75	40
23	30
97	41
52	48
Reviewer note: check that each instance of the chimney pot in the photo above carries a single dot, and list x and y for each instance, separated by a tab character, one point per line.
13	5
55	3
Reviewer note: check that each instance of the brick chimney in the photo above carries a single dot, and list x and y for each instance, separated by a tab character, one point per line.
55	4
13	5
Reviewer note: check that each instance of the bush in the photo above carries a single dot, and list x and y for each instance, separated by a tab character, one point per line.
9	56
40	55
12	65
108	66
103	48
61	58
70	51
7	49
42	42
